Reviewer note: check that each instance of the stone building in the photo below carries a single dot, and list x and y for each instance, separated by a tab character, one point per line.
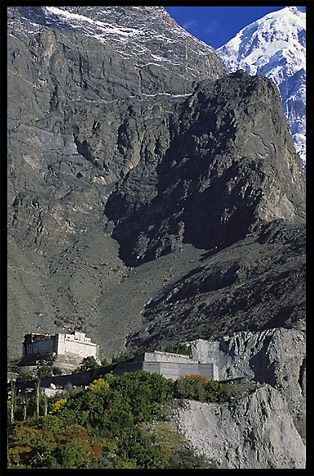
169	365
59	344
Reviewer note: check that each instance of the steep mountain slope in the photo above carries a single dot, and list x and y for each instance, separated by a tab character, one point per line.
64	102
222	170
275	46
151	196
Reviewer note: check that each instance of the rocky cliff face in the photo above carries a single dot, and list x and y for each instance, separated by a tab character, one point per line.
70	141
216	171
274	356
250	285
255	432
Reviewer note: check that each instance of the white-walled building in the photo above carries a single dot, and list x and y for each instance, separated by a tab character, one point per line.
60	344
169	365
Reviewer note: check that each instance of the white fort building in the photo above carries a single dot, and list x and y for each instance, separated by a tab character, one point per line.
59	344
67	350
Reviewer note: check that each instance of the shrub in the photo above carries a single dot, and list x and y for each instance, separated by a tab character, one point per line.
190	387
48	423
174	450
68	388
44	371
185	458
46	445
146	393
197	387
179	349
57	405
219	392
73	447
123	356
25	376
98	385
57	371
88	363
111	425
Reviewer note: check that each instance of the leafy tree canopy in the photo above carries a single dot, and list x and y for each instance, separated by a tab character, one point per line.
116	423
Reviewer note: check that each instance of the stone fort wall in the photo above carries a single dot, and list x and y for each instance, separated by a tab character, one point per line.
76	344
60	344
169	365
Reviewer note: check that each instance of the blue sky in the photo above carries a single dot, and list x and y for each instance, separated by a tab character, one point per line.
217	25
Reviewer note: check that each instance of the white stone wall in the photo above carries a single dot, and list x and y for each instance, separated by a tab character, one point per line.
69	344
63	344
166	357
169	365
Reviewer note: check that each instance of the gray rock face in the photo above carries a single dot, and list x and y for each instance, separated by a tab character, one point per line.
217	171
274	356
251	285
256	432
70	120
140	50
70	143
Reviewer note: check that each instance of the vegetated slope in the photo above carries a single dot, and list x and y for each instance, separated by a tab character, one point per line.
130	182
116	423
275	46
127	422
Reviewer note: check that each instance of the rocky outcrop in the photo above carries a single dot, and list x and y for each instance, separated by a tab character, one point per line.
255	432
274	356
226	161
66	362
72	114
140	51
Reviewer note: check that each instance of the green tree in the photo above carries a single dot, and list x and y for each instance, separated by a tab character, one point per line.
57	371
197	387
25	376
88	363
44	371
72	454
113	424
179	349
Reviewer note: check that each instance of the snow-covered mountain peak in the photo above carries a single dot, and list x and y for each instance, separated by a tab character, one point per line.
281	32
275	46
